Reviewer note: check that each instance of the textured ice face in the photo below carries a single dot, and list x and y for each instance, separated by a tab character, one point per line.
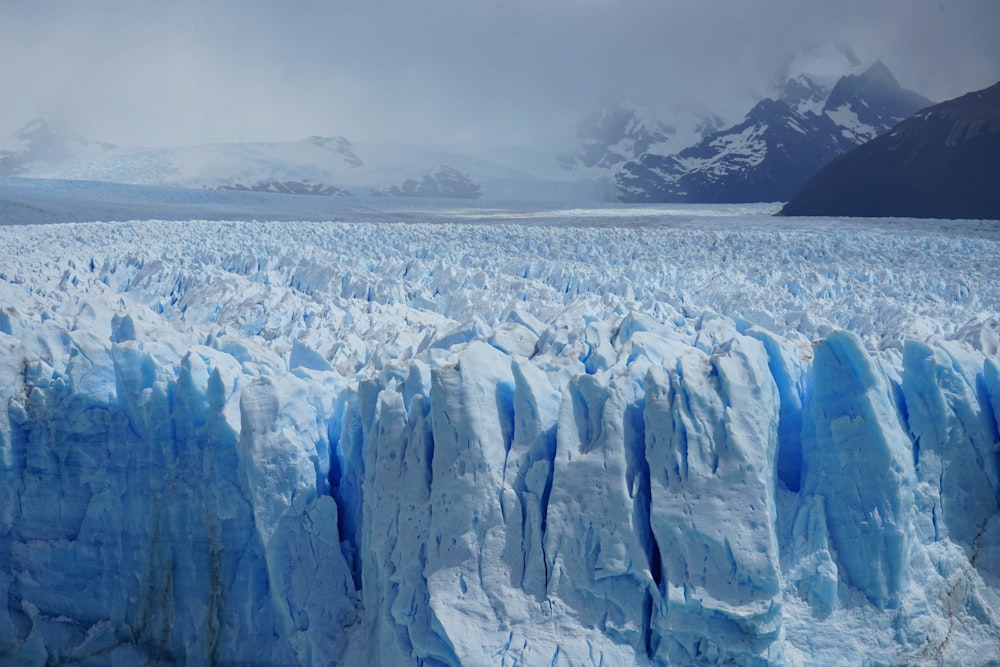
705	438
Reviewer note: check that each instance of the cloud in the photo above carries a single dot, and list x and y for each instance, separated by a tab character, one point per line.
456	73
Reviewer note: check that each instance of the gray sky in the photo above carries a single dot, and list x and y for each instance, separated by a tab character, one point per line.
465	74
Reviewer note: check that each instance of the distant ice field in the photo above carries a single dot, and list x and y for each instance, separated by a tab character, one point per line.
33	201
883	278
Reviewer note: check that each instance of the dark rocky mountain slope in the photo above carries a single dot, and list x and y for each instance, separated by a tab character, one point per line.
944	162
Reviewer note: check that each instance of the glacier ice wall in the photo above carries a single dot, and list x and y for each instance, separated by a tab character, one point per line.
363	444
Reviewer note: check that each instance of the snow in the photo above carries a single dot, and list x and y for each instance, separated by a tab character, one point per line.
733	152
497	434
852	127
813	105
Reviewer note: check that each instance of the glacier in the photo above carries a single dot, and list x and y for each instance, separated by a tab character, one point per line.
501	435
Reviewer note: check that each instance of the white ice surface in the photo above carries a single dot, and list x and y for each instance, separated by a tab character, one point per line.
501	435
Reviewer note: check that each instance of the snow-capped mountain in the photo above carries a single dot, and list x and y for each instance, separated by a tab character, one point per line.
808	78
870	104
759	159
944	162
778	145
316	160
579	441
314	165
620	132
42	143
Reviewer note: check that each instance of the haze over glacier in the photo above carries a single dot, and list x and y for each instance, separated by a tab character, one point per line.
659	435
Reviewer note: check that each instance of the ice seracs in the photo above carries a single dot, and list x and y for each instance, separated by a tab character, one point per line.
701	436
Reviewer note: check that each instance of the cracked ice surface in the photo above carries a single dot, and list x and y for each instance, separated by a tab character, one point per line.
637	436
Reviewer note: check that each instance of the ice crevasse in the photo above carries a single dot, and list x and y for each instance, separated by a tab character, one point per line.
587	484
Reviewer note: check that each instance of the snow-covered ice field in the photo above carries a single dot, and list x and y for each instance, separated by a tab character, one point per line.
497	435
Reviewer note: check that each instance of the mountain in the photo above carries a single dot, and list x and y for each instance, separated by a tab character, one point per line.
868	105
315	165
44	142
622	132
944	162
315	159
755	160
808	77
777	146
613	135
289	188
445	182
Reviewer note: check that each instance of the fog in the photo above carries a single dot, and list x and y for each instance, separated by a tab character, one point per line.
462	75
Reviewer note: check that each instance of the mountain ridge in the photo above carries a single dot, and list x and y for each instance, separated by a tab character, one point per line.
324	165
778	144
943	162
